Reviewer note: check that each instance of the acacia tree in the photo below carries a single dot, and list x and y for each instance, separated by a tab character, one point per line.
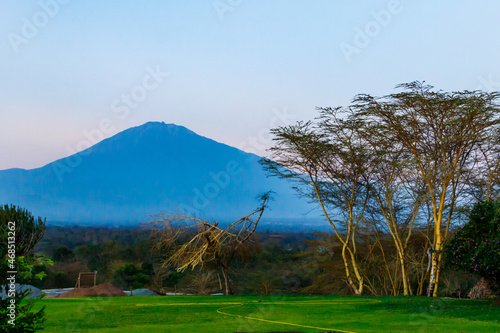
350	168
439	130
405	158
207	243
328	160
483	170
396	197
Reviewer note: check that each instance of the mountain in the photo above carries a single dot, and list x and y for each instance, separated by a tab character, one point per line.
147	170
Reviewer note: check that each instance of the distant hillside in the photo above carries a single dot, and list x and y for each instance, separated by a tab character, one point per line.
146	170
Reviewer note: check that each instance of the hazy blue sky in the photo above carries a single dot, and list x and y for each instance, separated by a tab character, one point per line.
235	67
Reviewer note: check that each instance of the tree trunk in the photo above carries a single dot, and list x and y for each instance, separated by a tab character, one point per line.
403	273
438	273
348	273
227	285
432	291
436	254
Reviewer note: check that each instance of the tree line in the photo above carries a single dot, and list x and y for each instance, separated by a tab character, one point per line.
404	165
402	168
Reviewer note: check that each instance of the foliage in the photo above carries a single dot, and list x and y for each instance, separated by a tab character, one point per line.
63	254
28	231
327	160
172	278
207	244
475	247
130	277
276	263
26	319
437	131
386	165
203	282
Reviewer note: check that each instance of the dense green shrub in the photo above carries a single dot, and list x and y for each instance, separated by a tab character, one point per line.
475	247
130	277
19	225
63	254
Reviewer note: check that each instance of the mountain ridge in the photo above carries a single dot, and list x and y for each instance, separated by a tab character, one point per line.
143	171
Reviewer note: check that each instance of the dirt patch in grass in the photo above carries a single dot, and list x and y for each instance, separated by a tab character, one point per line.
102	290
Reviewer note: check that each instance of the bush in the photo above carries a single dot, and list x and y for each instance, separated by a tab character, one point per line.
26	232
63	254
26	320
130	277
172	278
476	246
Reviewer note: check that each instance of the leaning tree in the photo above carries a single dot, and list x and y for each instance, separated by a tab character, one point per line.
195	242
328	160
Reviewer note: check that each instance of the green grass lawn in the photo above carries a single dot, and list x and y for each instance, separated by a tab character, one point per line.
276	313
